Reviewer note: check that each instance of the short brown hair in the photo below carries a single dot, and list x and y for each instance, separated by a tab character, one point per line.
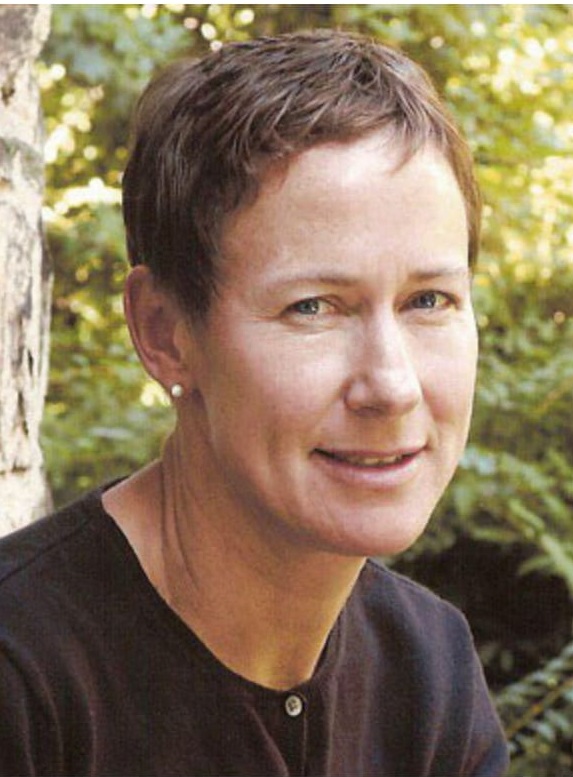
205	130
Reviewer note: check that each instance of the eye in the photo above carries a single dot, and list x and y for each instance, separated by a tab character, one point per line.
432	300
313	306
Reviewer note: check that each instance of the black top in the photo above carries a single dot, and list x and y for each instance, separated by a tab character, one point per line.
98	676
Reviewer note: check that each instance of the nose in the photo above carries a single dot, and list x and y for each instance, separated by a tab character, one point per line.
383	376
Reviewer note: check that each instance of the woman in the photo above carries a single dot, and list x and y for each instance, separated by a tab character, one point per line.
302	219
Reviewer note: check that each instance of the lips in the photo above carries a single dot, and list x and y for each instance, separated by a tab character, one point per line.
369	460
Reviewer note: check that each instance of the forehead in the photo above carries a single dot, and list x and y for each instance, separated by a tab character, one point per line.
335	201
331	167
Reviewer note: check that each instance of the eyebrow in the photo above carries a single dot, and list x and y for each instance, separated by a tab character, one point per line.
464	271
333	279
310	277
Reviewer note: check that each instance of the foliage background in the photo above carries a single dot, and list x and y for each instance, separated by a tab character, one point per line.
501	545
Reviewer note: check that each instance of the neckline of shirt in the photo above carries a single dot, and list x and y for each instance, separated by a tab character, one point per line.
156	608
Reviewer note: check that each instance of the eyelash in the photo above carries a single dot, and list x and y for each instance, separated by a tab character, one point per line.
440	300
447	300
297	307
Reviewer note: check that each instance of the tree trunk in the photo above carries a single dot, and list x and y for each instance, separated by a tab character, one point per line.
25	274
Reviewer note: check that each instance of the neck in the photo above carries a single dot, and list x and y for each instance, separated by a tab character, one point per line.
264	609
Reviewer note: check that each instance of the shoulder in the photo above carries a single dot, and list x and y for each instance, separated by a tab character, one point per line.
420	650
42	544
390	595
31	544
40	572
404	622
54	575
56	578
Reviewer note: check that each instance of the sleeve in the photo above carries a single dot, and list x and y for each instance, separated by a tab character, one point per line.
27	734
487	753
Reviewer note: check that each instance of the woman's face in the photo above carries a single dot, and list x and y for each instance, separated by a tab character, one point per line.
336	368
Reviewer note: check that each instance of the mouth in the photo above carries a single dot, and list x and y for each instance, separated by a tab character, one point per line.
369	460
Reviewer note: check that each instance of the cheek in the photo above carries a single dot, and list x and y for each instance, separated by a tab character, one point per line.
450	385
296	386
446	361
275	392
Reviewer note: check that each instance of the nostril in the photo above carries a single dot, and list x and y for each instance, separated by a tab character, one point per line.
384	390
383	374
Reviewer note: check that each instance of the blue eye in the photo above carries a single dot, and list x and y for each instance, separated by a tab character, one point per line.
307	307
430	300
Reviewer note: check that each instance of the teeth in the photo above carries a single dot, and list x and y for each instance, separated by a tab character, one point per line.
369	461
372	462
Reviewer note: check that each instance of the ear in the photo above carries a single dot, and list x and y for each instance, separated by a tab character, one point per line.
159	330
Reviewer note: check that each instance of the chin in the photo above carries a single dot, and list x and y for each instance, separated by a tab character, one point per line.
375	544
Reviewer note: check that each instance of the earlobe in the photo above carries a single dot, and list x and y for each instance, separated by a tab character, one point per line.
156	324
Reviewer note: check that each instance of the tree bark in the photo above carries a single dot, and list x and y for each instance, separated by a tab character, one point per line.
25	272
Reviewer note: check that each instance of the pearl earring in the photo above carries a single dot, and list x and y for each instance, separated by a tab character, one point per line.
176	391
